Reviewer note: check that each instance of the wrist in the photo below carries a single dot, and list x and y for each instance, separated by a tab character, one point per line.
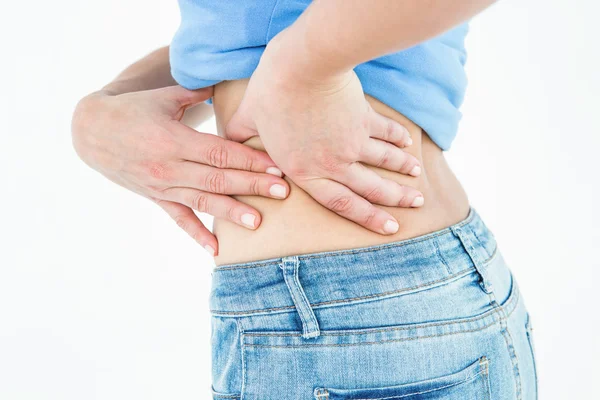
291	58
122	86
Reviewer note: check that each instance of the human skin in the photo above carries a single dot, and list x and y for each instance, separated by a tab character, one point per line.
306	103
300	225
338	180
131	131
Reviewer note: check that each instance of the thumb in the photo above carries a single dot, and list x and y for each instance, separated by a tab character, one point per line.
186	98
240	127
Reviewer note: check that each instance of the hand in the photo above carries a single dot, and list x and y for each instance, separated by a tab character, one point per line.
319	132
137	140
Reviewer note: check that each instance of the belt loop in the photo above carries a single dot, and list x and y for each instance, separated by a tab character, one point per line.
467	243
310	326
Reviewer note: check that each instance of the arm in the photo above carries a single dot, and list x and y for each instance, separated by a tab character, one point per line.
131	132
151	72
334	36
306	76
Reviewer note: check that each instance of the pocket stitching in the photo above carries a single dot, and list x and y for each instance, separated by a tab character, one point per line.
483	370
528	330
225	396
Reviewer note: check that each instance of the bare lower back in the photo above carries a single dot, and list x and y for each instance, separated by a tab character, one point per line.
299	225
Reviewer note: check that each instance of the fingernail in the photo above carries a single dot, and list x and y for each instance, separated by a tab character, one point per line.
248	220
409	141
418	202
210	250
391	226
278	191
274	171
416	171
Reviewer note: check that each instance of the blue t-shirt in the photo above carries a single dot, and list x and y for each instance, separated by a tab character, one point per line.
224	39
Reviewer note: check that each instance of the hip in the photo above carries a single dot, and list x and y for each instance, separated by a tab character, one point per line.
437	316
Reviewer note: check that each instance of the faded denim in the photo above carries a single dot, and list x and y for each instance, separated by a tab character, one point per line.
438	316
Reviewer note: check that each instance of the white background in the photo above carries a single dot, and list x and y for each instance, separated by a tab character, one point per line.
101	295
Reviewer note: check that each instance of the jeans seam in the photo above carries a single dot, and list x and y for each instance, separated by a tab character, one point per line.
340	301
503	316
486	314
226	396
240	328
382	341
479	241
407	339
530	340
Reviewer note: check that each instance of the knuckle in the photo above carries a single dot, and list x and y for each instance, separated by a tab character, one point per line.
374	195
404	201
200	202
384	158
330	163
390	128
198	236
340	204
231	215
255	186
348	151
215	181
368	219
217	155
182	222
249	163
408	164
159	171
404	134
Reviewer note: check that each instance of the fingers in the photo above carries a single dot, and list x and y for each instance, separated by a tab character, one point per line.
184	97
191	224
229	181
368	184
341	200
385	155
222	153
216	205
387	129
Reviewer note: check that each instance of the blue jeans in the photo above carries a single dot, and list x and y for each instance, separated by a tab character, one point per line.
438	316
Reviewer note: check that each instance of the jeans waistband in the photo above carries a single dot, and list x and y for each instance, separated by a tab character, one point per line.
326	279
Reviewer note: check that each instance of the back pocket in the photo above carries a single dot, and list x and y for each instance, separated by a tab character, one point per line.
471	383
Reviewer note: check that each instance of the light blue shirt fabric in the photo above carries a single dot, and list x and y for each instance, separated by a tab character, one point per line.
224	39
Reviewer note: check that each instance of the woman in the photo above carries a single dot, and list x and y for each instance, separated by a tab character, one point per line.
370	277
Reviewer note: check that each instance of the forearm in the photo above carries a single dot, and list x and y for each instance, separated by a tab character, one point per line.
151	72
334	36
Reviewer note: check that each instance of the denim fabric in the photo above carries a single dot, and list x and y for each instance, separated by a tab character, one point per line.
438	316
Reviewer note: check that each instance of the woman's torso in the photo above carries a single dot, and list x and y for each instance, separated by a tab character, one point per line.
299	225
